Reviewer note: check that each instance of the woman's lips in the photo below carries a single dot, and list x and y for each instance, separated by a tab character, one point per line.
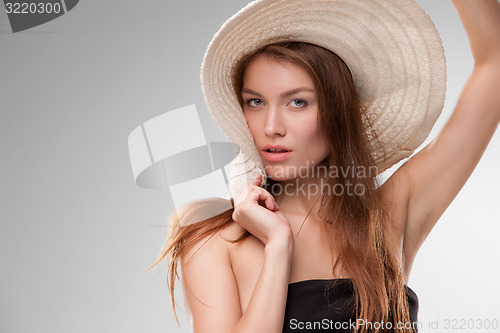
276	156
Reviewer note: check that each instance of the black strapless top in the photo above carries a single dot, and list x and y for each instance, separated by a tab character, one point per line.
307	308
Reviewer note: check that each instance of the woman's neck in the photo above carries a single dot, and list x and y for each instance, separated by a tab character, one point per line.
300	196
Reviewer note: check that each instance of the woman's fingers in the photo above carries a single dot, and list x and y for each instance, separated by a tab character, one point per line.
253	193
264	195
257	180
270	202
266	198
256	211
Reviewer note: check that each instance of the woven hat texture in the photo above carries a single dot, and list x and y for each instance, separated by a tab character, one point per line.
391	47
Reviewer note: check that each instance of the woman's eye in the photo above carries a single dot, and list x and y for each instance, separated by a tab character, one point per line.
298	103
254	102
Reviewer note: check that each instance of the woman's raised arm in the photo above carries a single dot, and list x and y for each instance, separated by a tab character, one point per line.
481	20
434	176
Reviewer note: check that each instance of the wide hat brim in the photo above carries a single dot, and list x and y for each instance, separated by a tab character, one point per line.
391	47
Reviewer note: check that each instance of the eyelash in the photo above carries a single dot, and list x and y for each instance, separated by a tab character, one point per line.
304	103
250	100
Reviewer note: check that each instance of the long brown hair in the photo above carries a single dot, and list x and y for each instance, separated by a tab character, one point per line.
364	236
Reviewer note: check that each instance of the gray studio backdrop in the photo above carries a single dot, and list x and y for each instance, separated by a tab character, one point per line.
76	230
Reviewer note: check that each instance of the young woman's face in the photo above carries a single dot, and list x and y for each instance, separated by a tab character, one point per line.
280	105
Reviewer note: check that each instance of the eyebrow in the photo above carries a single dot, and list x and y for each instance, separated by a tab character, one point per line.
283	95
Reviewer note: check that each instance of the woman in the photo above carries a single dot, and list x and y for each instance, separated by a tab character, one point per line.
287	242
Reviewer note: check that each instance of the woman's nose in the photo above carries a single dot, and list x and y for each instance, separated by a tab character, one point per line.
274	122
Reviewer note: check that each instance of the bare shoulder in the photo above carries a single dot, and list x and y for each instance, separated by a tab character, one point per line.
210	288
231	231
247	260
214	245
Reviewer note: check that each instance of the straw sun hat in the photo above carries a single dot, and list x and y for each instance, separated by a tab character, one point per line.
391	47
